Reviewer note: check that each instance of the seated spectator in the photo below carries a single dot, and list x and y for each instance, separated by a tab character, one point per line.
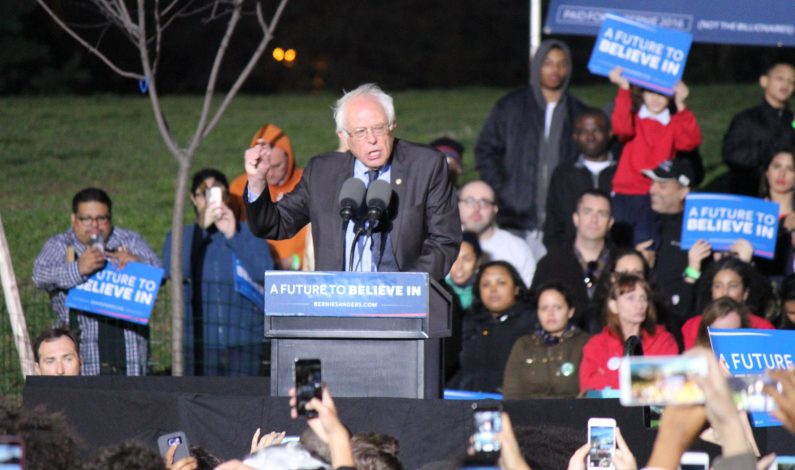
500	315
624	261
283	175
629	312
594	169
729	277
724	312
545	363
56	352
459	283
224	323
786	316
454	151
580	263
778	185
478	211
462	275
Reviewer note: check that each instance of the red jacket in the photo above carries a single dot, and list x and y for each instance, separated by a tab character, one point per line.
594	373
647	143
690	328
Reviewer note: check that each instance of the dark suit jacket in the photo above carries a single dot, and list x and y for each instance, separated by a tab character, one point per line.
426	229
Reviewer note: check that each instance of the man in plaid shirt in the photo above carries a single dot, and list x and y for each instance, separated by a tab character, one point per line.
107	346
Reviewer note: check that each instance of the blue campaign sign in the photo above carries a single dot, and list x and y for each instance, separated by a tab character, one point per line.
722	218
767	23
344	294
651	57
748	351
128	294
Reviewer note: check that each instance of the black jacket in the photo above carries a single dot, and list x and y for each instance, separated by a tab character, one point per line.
487	343
748	144
509	147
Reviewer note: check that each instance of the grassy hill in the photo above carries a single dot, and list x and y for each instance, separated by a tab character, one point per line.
52	147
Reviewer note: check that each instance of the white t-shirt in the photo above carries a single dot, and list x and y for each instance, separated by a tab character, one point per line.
505	246
548	118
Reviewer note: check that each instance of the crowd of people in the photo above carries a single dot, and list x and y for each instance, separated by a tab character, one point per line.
561	257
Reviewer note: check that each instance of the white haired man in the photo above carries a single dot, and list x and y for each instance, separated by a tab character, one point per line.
420	230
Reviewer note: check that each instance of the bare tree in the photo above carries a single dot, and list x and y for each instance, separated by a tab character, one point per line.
143	23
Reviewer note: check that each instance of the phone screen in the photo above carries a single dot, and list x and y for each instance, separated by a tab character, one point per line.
603	445
693	466
785	462
11	456
308	382
661	380
488	423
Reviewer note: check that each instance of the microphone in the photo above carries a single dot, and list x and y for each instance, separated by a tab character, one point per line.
378	196
351	197
633	346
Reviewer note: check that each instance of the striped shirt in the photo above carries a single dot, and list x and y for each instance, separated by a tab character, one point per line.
56	274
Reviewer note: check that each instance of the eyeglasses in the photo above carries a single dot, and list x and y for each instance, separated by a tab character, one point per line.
360	133
88	220
481	203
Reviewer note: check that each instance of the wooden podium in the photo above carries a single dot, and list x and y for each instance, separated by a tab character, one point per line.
376	334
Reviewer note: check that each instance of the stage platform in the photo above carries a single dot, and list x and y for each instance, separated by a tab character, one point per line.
221	414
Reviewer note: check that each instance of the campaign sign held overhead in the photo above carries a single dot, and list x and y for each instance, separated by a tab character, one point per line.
651	57
721	219
751	352
127	294
346	294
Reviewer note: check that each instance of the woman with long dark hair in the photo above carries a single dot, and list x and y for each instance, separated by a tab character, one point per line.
545	363
500	315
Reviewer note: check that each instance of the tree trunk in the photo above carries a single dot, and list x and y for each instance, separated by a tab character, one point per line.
177	293
15	314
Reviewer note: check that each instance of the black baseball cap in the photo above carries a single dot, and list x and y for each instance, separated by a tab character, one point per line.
677	169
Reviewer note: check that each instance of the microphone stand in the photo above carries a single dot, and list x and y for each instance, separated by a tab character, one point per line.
356	234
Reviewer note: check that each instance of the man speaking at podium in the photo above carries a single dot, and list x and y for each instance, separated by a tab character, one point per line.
384	205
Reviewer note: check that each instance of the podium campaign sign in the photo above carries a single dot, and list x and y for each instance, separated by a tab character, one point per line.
751	352
346	294
128	294
651	57
721	219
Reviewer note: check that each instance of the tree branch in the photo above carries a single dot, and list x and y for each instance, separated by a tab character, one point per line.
267	35
91	49
219	57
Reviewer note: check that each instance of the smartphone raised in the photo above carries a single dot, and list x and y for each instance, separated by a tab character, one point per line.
165	441
602	438
694	461
12	453
783	462
487	423
748	392
308	385
214	195
661	380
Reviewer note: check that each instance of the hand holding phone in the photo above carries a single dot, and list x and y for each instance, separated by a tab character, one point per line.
165	441
487	421
602	439
308	385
